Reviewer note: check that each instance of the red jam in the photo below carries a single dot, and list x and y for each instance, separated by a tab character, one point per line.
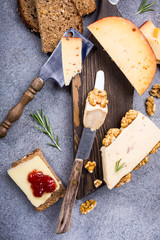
41	183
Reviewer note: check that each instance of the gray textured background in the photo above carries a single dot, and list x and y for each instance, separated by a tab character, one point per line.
130	212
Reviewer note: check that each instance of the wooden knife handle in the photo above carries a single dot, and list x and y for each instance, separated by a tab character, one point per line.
65	216
15	113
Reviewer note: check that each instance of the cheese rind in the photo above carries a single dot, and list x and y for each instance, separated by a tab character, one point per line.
71	57
94	116
128	47
131	146
19	175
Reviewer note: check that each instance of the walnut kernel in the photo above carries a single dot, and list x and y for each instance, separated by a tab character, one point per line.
128	118
155	91
150	106
97	183
90	166
110	136
154	150
125	179
87	206
142	163
98	97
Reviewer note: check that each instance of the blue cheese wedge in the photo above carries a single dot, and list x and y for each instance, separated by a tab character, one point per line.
131	146
71	57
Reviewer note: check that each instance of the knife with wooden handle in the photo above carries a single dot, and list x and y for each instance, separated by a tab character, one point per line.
85	146
51	69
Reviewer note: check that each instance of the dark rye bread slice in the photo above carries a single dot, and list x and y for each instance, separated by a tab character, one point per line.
56	195
28	13
55	17
85	7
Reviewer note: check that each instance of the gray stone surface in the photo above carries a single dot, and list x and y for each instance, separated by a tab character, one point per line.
131	212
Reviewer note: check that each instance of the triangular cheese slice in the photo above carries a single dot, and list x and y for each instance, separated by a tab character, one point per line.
71	57
132	145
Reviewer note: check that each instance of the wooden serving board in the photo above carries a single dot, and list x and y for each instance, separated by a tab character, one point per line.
120	96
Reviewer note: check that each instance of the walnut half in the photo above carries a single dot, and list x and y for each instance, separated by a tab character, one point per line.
90	166
150	106
87	206
155	91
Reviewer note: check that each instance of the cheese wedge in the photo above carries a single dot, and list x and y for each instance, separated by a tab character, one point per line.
71	57
131	147
94	116
128	47
155	44
19	175
147	29
156	33
153	36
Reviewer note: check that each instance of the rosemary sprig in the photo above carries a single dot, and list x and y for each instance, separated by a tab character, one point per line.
145	7
117	167
44	123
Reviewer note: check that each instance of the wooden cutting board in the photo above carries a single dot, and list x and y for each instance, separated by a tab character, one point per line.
120	96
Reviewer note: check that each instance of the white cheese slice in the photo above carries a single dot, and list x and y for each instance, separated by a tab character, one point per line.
128	48
131	146
19	175
94	116
71	57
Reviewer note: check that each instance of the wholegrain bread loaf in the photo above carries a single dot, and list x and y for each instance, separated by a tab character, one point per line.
55	17
56	195
85	7
27	11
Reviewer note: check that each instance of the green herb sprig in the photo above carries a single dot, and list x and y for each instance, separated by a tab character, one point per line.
44	123
118	167
144	7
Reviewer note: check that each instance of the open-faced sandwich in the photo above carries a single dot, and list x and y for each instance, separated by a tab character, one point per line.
37	180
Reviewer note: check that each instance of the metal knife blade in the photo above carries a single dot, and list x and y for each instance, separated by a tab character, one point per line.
85	144
53	67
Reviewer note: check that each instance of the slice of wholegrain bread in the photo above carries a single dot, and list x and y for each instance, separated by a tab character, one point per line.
55	17
28	13
85	7
56	195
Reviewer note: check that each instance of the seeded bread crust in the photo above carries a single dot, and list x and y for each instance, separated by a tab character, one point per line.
55	17
28	13
55	195
85	7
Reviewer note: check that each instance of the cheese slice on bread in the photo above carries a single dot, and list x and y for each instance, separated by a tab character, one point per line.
19	173
71	57
128	48
131	145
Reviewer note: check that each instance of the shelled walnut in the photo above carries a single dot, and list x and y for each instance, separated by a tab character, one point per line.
150	106
125	179
90	166
128	118
110	136
98	97
97	183
87	206
142	163
154	150
155	91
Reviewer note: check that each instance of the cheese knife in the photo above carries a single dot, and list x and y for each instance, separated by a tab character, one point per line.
51	69
83	152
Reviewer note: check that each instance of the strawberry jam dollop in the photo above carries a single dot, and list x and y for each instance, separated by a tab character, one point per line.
41	183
